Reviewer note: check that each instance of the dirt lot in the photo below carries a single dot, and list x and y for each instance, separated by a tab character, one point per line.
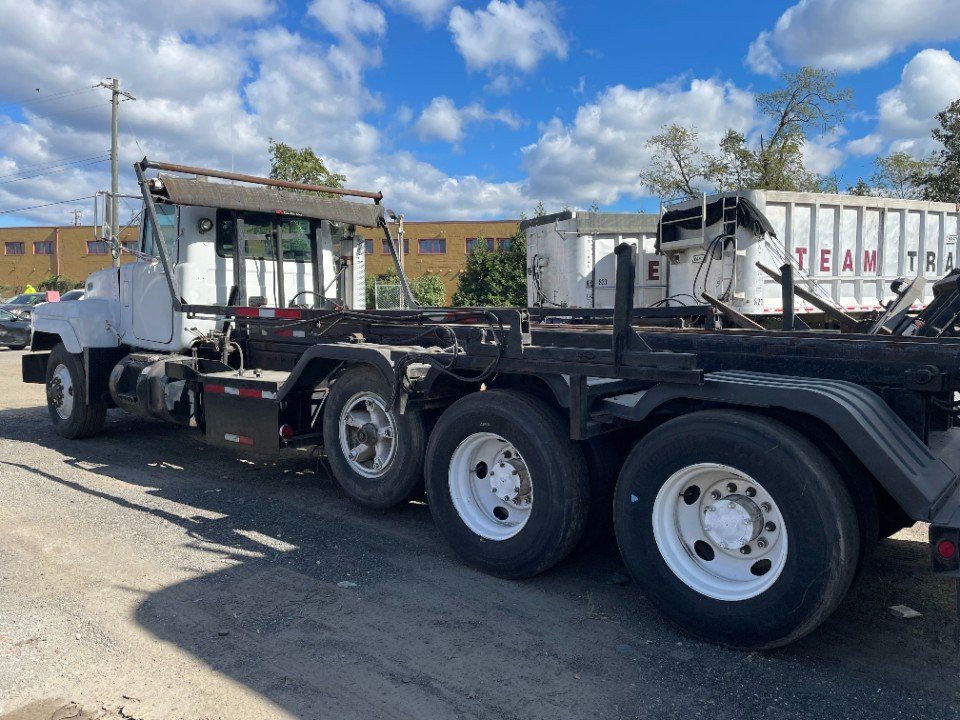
143	575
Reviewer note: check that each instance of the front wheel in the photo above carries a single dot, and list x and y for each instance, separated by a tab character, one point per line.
746	537
506	486
71	411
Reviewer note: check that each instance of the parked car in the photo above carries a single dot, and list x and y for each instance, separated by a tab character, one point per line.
14	330
72	295
23	304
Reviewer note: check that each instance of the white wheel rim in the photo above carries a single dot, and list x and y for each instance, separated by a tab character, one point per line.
60	392
490	486
368	434
703	518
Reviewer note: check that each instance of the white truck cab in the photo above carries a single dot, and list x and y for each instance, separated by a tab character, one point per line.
131	305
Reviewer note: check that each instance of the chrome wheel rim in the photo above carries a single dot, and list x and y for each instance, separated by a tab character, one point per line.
368	434
720	531
490	486
60	392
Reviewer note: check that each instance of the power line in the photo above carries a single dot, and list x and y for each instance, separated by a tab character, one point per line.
72	166
56	163
45	98
58	113
35	207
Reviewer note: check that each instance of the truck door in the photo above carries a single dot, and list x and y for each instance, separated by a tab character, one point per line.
144	285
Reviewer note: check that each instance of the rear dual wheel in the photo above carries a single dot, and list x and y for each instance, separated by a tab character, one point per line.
747	538
507	487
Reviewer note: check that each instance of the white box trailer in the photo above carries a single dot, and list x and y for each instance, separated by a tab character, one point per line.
847	249
570	260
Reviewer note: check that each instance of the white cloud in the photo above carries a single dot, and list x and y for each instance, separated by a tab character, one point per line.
212	86
420	190
907	112
507	34
599	156
822	155
850	35
349	18
867	145
760	57
443	120
428	12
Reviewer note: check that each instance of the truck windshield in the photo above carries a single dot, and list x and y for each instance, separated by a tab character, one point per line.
258	235
167	221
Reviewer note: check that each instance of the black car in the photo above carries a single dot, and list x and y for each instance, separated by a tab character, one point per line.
23	304
72	295
14	330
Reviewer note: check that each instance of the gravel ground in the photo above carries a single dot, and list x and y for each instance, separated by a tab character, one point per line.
143	575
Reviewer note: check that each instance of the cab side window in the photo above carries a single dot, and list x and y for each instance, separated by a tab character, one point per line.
167	222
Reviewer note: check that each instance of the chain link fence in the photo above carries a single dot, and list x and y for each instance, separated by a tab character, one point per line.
387	296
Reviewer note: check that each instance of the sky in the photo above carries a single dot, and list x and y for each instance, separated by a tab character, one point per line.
455	110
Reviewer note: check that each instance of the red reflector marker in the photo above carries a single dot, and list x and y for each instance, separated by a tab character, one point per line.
286	431
946	549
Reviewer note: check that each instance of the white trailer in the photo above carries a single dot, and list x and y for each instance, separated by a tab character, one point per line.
847	249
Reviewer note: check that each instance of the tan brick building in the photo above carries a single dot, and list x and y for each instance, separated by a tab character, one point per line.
439	247
30	254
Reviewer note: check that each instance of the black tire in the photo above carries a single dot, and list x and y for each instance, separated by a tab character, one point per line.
85	418
817	515
557	472
605	455
402	478
860	484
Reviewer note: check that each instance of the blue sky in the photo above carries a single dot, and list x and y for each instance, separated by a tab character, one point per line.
454	109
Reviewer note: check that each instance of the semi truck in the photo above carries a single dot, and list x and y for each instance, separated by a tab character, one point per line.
747	473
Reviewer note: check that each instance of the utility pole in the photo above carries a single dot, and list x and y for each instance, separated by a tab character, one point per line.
114	216
77	216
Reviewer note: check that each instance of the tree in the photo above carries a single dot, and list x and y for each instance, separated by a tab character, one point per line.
428	290
678	166
861	189
60	283
898	175
941	180
807	105
389	277
735	167
302	166
495	278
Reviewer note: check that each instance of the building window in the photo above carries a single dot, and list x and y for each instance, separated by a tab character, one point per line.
503	244
97	247
432	246
43	248
13	248
131	245
385	249
472	244
368	247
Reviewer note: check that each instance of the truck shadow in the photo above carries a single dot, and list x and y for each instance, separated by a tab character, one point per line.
326	609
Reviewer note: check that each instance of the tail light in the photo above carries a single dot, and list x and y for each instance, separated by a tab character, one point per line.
945	549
